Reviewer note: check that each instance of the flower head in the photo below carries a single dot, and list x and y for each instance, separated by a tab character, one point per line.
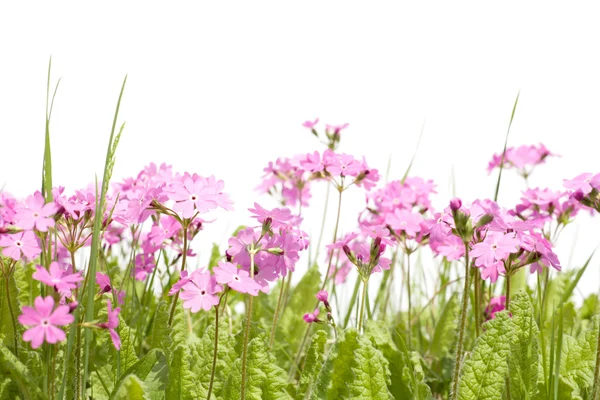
45	320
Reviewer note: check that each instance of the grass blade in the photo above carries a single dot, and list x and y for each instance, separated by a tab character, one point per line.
512	116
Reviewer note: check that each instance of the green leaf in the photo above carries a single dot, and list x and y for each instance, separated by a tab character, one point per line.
523	361
356	369
484	372
10	365
312	364
265	380
181	377
10	328
444	335
145	368
215	256
160	337
420	388
131	388
578	358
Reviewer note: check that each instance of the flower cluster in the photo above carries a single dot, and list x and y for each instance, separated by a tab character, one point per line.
585	189
313	317
523	158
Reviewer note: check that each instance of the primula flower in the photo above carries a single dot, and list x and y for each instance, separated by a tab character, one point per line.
584	182
36	214
280	217
497	304
335	129
310	124
113	322
103	281
406	221
199	194
312	317
199	292
57	277
183	279
496	246
237	279
45	321
22	243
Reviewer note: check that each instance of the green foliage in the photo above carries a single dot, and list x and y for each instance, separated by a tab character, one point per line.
312	364
131	388
444	335
20	374
10	329
483	374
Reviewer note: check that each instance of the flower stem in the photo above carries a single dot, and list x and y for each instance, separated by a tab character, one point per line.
183	260
247	331
508	275
335	231
322	223
362	306
408	293
477	282
12	315
461	330
215	352
277	310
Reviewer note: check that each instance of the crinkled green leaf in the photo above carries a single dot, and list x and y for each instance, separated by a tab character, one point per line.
444	335
145	368
578	358
265	380
20	373
160	335
182	378
523	361
484	372
131	388
312	365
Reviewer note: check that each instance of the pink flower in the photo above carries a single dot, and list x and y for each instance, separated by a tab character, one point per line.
237	279
113	322
200	292
497	304
36	214
492	271
496	246
584	182
57	277
280	217
183	279
310	124
103	281
335	129
312	317
406	221
45	321
323	296
343	165
22	243
198	194
343	242
313	162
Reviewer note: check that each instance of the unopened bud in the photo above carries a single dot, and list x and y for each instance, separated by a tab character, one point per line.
455	204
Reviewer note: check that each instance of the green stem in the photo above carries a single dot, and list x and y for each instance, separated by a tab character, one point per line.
508	274
215	352
335	232
461	330
276	316
322	223
477	282
408	292
247	331
12	315
362	306
183	260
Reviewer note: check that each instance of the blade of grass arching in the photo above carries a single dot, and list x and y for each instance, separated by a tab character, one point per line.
352	302
573	284
100	205
47	165
512	116
412	160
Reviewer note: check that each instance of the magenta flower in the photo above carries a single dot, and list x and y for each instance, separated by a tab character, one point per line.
496	246
57	277
44	321
22	243
310	124
103	281
113	322
497	304
323	296
200	292
406	221
335	129
237	279
313	162
279	216
36	214
343	242
183	279
198	194
312	317
584	182
343	165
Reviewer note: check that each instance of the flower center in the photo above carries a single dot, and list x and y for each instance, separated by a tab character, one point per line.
35	215
202	292
18	243
193	197
45	323
236	278
55	280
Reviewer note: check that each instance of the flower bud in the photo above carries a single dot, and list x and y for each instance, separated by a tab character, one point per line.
323	296
455	204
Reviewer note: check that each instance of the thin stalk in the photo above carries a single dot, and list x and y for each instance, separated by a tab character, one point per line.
276	316
183	260
352	302
247	331
461	330
362	306
215	352
408	293
477	282
335	232
508	274
12	315
322	223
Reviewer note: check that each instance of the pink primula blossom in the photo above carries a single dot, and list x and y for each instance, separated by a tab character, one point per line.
44	320
20	244
311	317
57	277
496	246
584	182
112	323
36	214
237	279
405	221
279	216
198	194
310	124
200	292
496	305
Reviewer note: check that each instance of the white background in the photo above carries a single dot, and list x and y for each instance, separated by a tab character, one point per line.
223	88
